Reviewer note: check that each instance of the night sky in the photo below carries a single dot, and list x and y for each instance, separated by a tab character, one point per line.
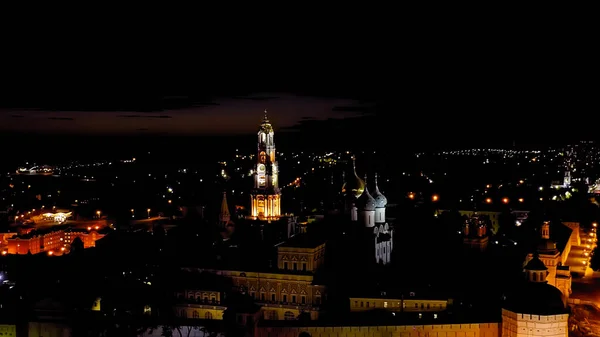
179	115
430	85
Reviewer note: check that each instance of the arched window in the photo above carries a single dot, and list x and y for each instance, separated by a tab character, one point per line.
208	315
534	277
196	314
288	316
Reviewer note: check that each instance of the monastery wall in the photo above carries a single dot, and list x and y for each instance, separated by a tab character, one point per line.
438	330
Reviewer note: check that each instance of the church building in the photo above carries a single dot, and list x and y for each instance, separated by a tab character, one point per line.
366	212
554	257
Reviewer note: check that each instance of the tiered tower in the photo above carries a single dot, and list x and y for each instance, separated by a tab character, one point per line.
265	198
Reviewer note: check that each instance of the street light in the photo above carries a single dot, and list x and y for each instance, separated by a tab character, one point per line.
148	213
98	214
132	213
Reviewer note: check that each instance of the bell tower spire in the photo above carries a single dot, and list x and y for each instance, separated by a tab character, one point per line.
224	216
265	197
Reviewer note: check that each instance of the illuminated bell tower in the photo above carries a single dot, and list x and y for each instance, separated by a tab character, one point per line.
265	199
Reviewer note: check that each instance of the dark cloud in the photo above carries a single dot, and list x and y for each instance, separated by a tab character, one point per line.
306	118
61	118
256	98
348	125
144	116
17	116
363	110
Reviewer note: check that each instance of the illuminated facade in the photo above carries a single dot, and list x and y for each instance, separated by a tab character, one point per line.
281	295
411	303
199	304
265	199
52	243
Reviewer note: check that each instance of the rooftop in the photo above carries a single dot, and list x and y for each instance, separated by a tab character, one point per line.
560	234
302	241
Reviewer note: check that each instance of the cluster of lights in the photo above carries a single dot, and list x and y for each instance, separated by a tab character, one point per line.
296	182
412	195
504	200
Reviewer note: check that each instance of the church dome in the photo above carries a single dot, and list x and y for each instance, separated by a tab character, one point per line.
354	186
535	264
380	199
366	202
535	299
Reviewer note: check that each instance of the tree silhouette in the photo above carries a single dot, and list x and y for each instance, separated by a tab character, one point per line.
77	246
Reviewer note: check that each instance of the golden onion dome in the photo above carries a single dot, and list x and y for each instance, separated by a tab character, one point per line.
354	186
366	201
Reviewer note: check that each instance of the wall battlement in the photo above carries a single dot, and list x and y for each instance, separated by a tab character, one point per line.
436	330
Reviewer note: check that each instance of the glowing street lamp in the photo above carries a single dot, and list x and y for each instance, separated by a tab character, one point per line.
434	197
132	213
98	214
505	200
148	213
